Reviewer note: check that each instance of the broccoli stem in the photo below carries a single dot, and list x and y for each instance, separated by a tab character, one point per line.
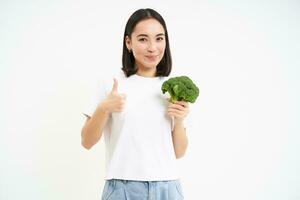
173	99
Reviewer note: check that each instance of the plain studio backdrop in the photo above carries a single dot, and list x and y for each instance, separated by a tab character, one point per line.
244	138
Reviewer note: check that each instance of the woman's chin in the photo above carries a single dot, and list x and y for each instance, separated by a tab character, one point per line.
152	64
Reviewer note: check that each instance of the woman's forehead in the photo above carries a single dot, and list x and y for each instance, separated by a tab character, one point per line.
149	27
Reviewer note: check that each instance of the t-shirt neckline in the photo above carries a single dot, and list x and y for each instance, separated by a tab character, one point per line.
145	78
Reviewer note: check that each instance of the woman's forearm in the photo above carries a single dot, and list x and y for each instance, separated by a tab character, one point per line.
92	130
180	140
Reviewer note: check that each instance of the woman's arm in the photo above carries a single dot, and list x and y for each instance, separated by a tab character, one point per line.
179	111
93	127
180	140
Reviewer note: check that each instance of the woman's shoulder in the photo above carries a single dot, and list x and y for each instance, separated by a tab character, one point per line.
108	77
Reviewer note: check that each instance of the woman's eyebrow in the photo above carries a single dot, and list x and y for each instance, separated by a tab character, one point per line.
145	35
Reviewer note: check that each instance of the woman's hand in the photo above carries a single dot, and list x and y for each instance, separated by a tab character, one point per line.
179	110
114	102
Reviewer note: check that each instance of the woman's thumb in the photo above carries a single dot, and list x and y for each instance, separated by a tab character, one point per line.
115	86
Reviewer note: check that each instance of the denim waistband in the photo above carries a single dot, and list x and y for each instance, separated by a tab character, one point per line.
126	181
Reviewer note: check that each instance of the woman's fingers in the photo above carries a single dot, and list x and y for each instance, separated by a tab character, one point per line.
177	113
179	106
183	103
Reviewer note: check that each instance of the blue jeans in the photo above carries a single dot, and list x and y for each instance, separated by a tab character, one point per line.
118	189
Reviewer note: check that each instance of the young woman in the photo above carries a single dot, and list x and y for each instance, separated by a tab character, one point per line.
144	133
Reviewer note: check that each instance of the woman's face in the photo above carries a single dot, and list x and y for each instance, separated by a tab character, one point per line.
147	44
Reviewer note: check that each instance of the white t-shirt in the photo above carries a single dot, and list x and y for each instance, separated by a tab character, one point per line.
138	140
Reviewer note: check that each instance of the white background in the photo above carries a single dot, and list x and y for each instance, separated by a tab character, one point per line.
244	56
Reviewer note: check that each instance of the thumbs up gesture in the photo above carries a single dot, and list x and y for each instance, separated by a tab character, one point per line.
114	102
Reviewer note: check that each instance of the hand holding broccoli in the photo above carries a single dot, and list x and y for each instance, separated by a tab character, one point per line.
179	110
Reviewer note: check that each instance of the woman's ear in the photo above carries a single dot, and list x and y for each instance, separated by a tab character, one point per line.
128	42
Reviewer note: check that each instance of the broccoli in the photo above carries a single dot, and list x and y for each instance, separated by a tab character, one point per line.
181	88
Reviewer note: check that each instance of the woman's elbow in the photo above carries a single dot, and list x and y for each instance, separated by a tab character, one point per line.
87	145
180	155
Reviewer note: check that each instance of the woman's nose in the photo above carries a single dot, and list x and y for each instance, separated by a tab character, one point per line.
151	47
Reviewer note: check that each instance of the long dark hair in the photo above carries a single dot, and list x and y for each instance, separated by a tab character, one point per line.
164	67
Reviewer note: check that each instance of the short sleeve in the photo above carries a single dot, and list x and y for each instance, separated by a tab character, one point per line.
99	92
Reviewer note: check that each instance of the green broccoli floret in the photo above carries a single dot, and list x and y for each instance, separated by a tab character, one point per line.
181	88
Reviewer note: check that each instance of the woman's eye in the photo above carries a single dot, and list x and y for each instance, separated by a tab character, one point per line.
144	39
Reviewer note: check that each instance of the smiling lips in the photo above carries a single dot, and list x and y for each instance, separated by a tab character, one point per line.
152	58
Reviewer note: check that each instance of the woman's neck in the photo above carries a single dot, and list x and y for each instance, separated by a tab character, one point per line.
146	73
